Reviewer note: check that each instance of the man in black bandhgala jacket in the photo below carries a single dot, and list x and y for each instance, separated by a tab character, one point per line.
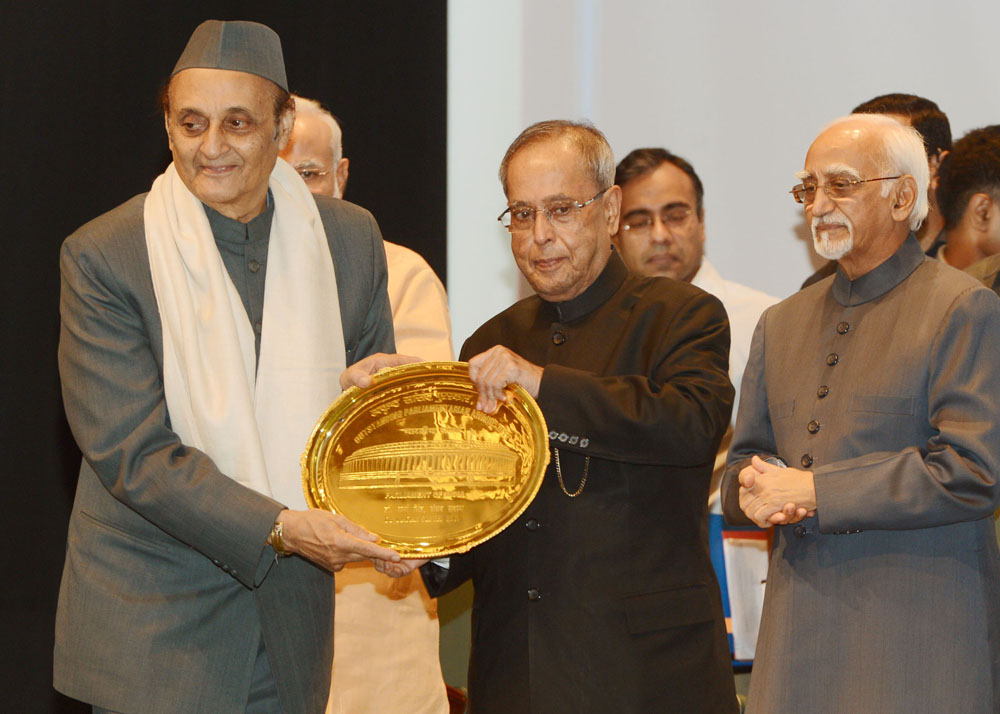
601	597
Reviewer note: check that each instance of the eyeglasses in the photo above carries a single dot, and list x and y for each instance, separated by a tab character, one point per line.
311	175
560	214
641	222
835	189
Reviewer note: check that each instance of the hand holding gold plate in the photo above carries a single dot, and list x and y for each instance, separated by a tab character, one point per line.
411	459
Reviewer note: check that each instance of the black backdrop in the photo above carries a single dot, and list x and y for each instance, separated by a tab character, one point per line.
81	133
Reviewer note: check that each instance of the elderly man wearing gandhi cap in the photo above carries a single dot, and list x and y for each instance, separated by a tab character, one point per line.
190	390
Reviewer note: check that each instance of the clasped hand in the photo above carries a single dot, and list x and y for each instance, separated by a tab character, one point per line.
773	495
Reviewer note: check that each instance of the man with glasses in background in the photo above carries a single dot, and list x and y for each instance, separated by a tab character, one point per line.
601	596
880	390
662	232
419	303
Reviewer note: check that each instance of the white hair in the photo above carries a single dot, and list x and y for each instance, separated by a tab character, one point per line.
902	152
304	105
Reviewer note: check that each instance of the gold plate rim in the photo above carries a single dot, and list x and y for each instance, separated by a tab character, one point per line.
325	427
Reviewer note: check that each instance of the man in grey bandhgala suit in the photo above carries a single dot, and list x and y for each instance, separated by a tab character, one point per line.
879	387
173	596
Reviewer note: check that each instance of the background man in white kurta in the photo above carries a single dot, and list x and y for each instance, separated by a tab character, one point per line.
880	388
386	636
663	233
419	303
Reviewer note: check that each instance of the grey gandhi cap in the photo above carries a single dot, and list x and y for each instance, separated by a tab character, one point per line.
237	45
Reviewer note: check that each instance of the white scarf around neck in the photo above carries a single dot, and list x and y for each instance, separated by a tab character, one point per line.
253	428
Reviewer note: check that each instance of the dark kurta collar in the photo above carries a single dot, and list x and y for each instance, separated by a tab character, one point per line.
598	293
231	231
937	244
882	279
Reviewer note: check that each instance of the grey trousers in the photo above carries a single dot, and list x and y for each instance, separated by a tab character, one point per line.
263	697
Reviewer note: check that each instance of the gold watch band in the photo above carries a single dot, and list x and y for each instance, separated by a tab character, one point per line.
277	541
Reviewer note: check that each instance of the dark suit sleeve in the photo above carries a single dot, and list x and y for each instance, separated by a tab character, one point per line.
115	404
956	476
377	333
441	581
675	415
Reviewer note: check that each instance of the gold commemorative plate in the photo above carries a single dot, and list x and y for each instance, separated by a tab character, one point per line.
411	459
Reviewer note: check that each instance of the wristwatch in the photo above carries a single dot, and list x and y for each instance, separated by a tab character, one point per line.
277	542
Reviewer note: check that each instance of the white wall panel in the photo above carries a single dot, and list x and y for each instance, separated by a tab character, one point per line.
740	89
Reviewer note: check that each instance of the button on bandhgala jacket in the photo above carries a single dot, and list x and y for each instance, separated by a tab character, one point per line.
608	602
167	586
888	388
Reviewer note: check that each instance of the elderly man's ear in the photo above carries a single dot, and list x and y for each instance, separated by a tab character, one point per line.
342	172
284	129
904	196
612	207
166	125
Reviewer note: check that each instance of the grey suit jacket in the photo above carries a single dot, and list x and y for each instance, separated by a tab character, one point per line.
168	585
888	389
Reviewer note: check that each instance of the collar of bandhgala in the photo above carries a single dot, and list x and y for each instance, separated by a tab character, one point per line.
598	293
882	279
230	230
